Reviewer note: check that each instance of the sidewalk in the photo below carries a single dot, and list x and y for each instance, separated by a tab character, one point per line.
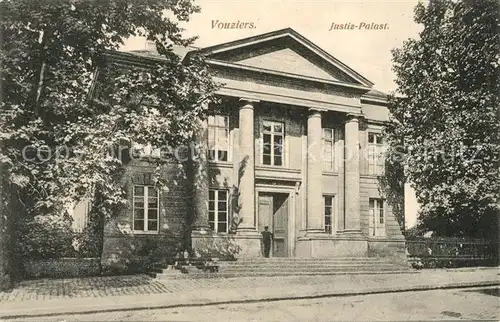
104	294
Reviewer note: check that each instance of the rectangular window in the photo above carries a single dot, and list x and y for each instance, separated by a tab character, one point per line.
328	213
273	134
377	217
145	208
218	137
376	151
328	149
218	216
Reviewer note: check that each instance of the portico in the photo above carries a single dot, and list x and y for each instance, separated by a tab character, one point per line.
290	197
297	144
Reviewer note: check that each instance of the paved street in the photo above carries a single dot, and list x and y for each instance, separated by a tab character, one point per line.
47	289
458	304
60	298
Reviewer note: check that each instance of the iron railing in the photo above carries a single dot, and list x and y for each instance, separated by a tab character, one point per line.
451	252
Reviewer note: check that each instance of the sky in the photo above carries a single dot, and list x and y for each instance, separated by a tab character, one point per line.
366	51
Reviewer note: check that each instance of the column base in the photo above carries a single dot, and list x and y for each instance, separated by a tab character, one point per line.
200	231
331	247
315	233
247	231
351	233
199	237
250	243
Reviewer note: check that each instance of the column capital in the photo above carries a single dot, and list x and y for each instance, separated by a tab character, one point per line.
353	117
312	112
247	102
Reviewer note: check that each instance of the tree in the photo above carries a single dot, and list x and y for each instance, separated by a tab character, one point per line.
57	136
392	182
446	113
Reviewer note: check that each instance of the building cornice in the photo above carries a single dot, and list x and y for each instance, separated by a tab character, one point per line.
215	62
286	99
374	99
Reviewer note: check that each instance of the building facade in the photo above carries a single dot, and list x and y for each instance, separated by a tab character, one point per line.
296	145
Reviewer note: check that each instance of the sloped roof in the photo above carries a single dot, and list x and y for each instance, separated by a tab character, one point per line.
260	51
242	50
180	51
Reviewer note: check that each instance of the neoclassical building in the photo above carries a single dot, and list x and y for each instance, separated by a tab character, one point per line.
295	145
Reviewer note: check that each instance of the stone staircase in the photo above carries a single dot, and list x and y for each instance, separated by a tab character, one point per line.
253	267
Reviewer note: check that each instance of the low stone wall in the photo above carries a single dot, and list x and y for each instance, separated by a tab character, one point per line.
384	247
128	254
62	267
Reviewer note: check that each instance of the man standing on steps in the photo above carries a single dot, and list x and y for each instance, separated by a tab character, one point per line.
267	238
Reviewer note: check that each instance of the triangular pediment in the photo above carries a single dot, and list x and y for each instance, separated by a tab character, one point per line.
285	51
286	60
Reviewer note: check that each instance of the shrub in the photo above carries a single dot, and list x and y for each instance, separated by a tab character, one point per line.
223	248
88	243
48	236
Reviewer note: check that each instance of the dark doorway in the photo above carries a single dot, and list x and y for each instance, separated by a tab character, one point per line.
273	212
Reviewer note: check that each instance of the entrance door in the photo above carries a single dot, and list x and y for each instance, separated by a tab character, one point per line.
280	225
273	212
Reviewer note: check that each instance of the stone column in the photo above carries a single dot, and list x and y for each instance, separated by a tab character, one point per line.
200	179
246	167
351	173
314	173
339	153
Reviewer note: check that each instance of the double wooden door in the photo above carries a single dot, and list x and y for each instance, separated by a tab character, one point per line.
273	213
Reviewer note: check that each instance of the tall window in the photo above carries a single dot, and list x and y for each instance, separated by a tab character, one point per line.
328	213
377	217
218	217
273	139
375	155
218	137
328	149
145	208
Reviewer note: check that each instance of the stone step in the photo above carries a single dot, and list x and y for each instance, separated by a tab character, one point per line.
244	270
301	268
317	270
310	264
312	261
291	267
290	259
233	264
346	266
277	274
298	266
